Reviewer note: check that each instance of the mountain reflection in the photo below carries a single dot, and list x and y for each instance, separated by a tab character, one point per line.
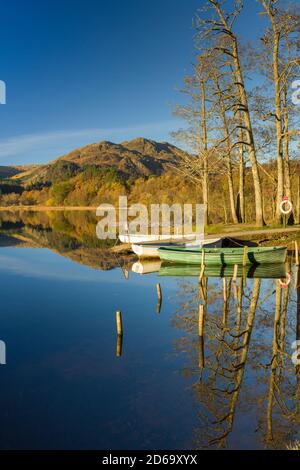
69	233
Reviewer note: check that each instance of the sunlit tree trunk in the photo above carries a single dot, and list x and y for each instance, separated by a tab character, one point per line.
243	106
270	10
205	154
286	150
249	136
278	118
241	173
227	154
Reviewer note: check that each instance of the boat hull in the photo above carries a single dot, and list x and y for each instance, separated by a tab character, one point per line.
150	249
224	256
139	238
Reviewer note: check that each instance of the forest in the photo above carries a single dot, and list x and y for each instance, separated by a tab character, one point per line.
240	134
242	112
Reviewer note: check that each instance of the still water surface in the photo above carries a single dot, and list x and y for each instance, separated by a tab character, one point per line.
63	387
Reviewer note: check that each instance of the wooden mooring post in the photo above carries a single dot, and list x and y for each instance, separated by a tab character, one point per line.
234	279
245	258
119	323
201	317
159	298
202	265
224	289
245	255
296	254
201	320
119	333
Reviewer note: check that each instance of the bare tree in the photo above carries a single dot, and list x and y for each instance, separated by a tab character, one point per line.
283	24
220	29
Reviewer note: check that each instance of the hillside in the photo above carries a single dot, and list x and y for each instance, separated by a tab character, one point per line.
136	158
142	169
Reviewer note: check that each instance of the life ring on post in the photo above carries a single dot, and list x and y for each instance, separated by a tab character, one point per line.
285	282
283	204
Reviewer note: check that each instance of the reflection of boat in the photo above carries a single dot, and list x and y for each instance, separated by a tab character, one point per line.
150	249
146	267
224	256
261	271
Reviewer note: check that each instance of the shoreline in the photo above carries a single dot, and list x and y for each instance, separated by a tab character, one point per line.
229	230
46	208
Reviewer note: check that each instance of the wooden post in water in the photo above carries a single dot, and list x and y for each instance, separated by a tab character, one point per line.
202	265
234	278
235	272
296	254
200	333
119	323
119	333
159	298
224	289
245	255
245	258
119	345
201	320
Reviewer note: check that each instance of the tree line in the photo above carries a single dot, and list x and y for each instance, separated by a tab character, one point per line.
233	128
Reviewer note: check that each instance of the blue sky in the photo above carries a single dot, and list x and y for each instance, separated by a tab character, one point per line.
83	71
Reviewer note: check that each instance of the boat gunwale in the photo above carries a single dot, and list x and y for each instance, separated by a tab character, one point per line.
217	251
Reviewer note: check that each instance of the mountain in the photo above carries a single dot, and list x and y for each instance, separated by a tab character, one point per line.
135	158
138	157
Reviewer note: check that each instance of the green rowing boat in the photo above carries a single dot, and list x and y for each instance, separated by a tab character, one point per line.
224	256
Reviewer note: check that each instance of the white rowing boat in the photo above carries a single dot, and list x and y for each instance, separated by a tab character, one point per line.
150	249
140	238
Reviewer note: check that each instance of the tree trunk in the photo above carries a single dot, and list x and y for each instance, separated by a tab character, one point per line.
228	155
286	152
278	122
243	106
205	155
249	134
241	173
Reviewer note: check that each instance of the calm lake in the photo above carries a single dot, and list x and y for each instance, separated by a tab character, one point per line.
68	383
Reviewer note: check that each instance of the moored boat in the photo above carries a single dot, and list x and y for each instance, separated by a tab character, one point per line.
141	238
150	249
224	256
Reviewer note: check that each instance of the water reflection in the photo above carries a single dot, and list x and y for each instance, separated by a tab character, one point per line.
218	358
214	369
237	337
69	233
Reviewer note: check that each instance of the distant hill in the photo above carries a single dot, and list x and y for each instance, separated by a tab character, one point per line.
138	157
8	171
135	158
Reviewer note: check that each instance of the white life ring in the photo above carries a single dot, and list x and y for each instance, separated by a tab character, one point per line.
284	283
286	211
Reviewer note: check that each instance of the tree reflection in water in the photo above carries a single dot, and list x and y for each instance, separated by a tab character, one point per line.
243	364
